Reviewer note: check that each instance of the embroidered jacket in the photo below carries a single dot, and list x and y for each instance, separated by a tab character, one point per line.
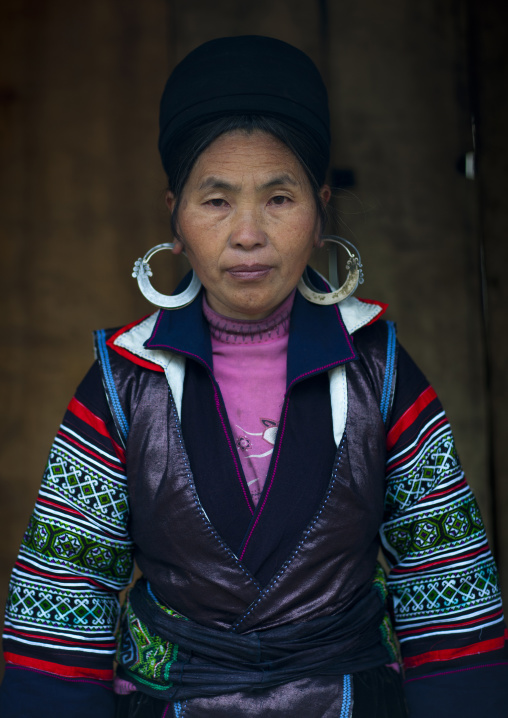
77	552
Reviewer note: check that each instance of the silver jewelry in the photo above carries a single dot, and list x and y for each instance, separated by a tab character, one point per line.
354	276
142	272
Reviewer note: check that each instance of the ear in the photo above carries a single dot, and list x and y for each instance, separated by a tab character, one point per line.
170	200
325	193
177	246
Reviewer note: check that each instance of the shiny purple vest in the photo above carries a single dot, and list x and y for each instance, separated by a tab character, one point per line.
187	562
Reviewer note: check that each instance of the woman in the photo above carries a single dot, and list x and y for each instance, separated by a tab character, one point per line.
252	445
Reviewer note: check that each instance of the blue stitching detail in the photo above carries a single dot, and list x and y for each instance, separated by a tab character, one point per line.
346	696
388	378
150	592
110	383
285	565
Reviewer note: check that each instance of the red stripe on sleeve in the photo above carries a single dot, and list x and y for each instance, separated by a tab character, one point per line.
58	669
58	640
409	416
83	413
494	644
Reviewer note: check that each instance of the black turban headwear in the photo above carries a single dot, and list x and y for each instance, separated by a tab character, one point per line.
247	75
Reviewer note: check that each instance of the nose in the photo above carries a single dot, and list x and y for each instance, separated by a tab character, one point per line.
248	232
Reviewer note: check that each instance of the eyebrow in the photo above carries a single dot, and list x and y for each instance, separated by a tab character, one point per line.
280	180
217	183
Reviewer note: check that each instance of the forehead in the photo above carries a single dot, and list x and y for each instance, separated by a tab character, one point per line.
240	154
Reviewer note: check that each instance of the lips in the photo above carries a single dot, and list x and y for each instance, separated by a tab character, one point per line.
249	271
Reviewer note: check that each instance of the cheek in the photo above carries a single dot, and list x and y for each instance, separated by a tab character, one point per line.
200	227
195	236
202	253
302	236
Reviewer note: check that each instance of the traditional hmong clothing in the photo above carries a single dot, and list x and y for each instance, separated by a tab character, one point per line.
270	608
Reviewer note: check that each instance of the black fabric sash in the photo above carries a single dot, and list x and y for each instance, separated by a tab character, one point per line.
212	662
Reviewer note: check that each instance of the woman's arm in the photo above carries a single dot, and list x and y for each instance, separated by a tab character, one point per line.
443	579
62	609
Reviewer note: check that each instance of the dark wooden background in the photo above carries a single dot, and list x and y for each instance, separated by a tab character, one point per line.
81	197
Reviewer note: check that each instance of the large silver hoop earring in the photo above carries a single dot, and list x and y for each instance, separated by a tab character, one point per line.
142	272
354	276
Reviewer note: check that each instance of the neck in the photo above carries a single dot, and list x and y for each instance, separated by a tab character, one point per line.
234	331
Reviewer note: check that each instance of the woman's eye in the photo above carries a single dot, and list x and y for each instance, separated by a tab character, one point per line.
279	199
217	202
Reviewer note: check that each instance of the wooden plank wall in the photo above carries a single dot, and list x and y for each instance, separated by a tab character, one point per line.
488	82
81	196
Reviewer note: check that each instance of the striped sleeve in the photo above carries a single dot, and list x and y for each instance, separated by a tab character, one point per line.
76	554
443	579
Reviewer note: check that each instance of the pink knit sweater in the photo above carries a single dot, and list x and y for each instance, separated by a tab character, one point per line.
249	363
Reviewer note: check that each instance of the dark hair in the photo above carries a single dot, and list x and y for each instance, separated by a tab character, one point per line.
187	147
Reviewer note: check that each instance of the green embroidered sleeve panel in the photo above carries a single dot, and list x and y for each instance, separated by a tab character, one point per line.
76	555
443	578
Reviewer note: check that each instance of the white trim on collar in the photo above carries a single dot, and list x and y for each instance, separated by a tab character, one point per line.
173	364
356	314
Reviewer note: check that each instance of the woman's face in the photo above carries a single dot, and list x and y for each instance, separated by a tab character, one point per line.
247	222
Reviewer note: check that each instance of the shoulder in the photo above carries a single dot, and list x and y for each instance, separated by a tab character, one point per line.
363	319
126	344
375	344
357	314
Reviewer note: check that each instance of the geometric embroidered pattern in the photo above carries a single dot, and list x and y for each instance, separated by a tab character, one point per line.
443	578
86	488
76	553
408	483
64	544
44	606
144	656
443	526
448	593
386	628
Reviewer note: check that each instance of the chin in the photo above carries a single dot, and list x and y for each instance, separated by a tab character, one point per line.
258	311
